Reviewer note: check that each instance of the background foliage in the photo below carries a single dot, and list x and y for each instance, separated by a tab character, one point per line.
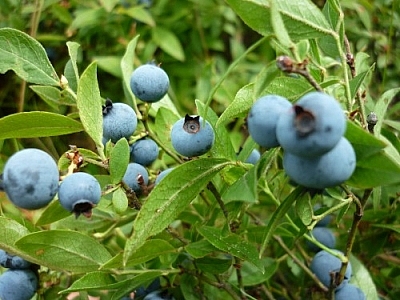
220	57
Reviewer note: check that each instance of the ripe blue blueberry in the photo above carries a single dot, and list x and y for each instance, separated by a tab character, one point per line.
79	193
263	117
155	285
18	285
162	175
191	137
323	171
313	126
144	152
323	235
253	157
349	291
158	295
136	176
13	261
30	178
119	121
326	220
149	83
324	263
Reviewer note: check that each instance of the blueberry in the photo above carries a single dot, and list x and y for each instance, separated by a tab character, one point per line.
119	121
153	286
324	263
162	175
323	235
18	285
313	126
79	192
190	137
13	261
30	178
324	171
263	117
136	176
158	295
349	291
326	220
149	83
253	157
144	152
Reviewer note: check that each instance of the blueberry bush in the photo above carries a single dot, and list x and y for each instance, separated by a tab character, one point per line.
315	218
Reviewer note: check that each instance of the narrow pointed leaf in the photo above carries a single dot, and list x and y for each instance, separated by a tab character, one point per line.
127	69
26	57
119	160
37	124
277	216
170	197
90	105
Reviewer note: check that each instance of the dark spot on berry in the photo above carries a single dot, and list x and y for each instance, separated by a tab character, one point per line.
107	106
304	121
191	124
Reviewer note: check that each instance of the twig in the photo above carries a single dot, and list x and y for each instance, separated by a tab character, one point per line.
217	196
300	263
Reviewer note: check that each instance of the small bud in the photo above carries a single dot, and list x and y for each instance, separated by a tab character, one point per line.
284	63
63	82
372	119
304	121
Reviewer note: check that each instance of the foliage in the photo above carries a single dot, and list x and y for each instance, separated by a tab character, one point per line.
215	227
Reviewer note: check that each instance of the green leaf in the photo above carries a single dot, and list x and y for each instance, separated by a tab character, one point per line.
375	170
90	105
110	64
382	106
304	209
71	71
53	96
119	160
168	42
278	26
298	87
11	231
64	250
239	107
140	14
223	145
52	213
302	19
277	216
213	265
264	78
233	244
132	283
37	124
149	250
253	276
164	121
200	248
127	69
357	81
244	189
26	57
92	281
364	143
362	278
120	201
395	228
170	197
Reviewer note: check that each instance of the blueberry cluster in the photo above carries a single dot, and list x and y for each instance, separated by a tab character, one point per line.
325	265
316	155
18	275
